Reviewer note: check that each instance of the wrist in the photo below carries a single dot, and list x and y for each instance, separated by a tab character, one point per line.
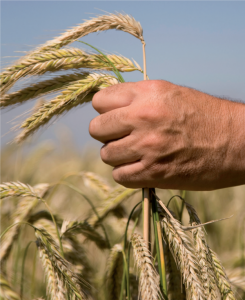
235	156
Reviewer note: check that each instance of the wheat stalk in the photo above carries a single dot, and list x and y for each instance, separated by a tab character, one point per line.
6	291
116	197
184	256
114	272
63	59
70	280
222	280
149	283
76	93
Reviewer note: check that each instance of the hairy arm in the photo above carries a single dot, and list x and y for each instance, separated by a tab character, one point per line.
158	134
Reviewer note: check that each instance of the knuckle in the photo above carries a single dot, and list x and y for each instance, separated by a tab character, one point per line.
151	142
120	177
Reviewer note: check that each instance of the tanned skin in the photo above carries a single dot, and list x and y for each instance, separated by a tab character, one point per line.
158	134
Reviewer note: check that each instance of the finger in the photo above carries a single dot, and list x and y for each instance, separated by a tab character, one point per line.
130	175
113	97
120	152
110	126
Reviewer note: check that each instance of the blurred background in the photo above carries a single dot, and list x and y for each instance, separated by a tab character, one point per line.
195	44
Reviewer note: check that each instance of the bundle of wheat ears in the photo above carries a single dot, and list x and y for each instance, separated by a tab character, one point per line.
167	265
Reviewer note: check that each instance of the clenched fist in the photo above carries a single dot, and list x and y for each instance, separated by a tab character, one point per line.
157	134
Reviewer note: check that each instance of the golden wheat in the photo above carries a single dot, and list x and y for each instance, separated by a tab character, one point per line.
114	272
64	59
76	93
101	23
184	256
149	282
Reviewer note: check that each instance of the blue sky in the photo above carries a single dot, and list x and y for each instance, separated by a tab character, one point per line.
196	44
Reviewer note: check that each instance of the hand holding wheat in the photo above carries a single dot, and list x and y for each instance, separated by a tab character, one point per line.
158	134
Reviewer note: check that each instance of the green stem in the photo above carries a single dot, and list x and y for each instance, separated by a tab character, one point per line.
160	254
23	269
33	274
92	206
16	260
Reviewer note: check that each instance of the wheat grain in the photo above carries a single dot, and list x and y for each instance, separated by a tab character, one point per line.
114	272
149	282
64	59
76	93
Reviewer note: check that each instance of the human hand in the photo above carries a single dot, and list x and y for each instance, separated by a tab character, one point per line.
158	134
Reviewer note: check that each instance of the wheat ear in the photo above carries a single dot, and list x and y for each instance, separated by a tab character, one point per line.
202	252
175	287
149	282
22	212
40	89
184	256
116	197
73	250
61	267
64	59
222	280
6	291
9	189
100	23
76	93
114	272
96	183
51	278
